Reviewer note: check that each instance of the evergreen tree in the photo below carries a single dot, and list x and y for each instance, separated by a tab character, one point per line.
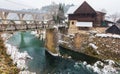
59	17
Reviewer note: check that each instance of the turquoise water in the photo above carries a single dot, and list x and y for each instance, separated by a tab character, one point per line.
43	62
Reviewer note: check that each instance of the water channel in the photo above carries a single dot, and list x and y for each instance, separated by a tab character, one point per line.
43	62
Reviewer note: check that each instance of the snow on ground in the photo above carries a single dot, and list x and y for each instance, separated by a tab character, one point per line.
102	68
34	32
107	69
38	34
108	35
94	47
55	26
26	72
20	59
61	41
5	36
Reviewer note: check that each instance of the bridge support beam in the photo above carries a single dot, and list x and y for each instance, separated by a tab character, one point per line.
4	16
34	19
21	16
34	16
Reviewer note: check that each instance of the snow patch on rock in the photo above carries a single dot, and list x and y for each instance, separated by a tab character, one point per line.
93	46
101	68
108	35
40	35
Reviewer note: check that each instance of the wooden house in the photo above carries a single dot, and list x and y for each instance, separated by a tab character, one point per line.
114	29
85	17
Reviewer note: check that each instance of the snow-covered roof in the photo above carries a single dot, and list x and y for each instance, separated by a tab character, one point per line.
75	7
108	18
72	9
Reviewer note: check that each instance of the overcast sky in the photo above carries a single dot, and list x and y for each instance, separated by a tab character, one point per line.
111	6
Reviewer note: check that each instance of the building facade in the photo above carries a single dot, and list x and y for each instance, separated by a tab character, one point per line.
85	17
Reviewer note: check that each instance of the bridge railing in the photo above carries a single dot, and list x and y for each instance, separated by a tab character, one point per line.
14	27
6	27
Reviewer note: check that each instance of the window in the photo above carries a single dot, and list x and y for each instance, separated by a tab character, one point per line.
72	23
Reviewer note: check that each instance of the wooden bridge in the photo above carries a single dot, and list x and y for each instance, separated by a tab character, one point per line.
14	27
21	23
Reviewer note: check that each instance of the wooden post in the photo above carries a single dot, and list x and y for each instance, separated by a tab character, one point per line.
21	16
4	16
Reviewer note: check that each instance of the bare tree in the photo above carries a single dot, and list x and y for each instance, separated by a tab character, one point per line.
118	21
115	17
104	10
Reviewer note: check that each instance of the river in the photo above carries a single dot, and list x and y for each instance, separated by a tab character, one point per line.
43	62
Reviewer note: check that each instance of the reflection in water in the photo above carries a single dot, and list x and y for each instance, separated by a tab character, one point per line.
43	62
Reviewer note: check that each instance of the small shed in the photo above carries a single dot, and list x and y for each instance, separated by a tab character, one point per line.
114	29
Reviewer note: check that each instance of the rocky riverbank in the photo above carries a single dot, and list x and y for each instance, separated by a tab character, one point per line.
19	59
103	46
6	63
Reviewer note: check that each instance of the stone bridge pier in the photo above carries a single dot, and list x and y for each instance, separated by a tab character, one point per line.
51	42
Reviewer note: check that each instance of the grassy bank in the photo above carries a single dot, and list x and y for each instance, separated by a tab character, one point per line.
6	65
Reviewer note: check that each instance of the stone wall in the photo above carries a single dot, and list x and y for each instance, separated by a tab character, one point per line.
78	40
100	47
74	42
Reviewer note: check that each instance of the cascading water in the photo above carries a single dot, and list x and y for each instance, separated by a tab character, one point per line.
43	62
